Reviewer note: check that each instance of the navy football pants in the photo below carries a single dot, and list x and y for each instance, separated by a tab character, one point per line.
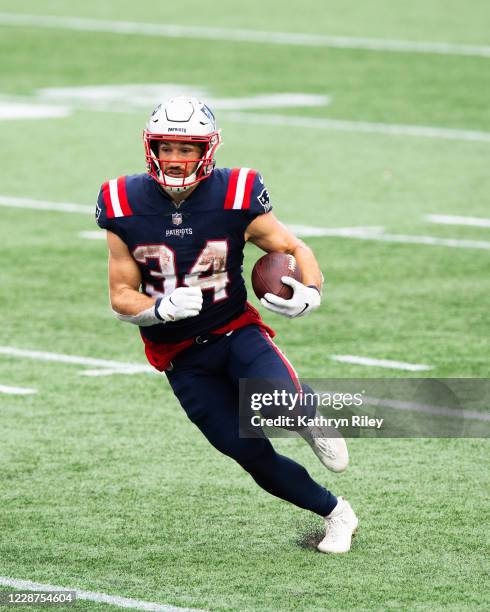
205	380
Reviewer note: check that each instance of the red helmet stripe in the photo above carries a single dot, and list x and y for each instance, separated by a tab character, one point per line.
106	196
232	183
248	188
123	198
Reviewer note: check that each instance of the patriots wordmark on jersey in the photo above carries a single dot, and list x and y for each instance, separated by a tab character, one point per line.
199	243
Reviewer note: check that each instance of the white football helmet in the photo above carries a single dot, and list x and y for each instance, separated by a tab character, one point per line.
182	119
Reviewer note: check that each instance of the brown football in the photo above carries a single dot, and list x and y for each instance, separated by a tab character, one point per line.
267	272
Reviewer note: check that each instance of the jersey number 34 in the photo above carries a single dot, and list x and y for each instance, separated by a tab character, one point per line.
208	271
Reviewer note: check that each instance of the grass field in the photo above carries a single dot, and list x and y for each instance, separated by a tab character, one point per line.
105	485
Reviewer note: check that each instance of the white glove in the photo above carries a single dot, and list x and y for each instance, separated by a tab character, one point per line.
183	302
305	299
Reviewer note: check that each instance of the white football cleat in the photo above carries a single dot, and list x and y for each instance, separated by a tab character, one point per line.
340	525
328	445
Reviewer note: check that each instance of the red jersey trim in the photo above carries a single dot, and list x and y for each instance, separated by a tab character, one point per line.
123	198
106	196
160	354
232	183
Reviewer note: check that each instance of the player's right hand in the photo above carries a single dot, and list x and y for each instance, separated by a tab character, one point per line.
182	303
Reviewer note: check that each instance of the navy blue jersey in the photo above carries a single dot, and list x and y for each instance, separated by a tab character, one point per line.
199	243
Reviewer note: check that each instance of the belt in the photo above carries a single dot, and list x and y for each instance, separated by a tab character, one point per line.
199	340
205	338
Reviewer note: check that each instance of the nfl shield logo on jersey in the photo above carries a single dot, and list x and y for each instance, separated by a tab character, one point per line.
177	218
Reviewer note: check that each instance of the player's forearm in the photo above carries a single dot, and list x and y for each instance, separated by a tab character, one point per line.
129	302
310	270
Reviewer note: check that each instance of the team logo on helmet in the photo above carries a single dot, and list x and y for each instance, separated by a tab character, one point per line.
155	112
209	113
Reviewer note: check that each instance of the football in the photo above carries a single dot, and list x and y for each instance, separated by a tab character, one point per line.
267	272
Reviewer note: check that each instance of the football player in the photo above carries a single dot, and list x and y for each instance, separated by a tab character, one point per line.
176	236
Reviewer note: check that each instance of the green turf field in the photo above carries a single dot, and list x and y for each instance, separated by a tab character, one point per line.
105	485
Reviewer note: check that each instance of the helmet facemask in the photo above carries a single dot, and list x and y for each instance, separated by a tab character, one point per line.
205	163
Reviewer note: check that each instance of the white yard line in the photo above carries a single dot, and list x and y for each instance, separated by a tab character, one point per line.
457	220
375	233
380	363
16	110
355	126
446	411
240	35
359	233
428	240
12	202
308	230
111	372
108	368
112	600
93	235
16	390
103	367
299	230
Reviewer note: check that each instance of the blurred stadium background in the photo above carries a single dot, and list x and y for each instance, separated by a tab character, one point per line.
371	125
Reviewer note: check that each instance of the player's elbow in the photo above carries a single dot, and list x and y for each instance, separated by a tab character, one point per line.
297	245
117	301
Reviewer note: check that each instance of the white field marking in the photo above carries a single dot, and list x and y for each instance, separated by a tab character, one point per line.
119	367
356	126
12	202
108	372
113	600
359	233
318	123
136	368
95	235
377	234
16	390
446	411
15	110
239	35
308	230
298	230
456	220
428	240
110	97
381	363
374	233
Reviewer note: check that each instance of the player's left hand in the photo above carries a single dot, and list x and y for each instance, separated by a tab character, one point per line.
304	300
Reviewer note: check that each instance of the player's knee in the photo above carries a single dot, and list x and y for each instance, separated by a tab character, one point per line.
252	451
255	453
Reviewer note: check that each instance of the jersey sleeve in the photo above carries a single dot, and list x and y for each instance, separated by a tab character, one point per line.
259	198
246	192
101	212
113	206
